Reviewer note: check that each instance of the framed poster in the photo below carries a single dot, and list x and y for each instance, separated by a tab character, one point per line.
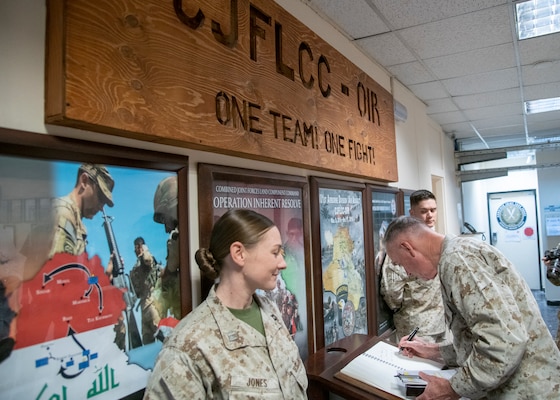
404	201
84	303
384	208
343	280
283	199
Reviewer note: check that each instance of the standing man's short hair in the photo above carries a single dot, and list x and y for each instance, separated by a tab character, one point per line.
419	195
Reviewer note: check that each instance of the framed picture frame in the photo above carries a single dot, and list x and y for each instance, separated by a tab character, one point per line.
72	292
343	280
384	203
284	199
404	201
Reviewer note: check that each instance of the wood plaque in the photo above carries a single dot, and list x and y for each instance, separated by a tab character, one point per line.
237	77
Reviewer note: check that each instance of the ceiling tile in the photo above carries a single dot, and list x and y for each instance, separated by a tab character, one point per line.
487	99
539	49
429	90
448	117
502	110
458	34
484	82
440	105
355	17
387	49
551	116
541	73
403	14
499	122
542	91
411	73
502	131
459	130
544	127
472	62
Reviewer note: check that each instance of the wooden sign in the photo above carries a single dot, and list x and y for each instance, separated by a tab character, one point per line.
236	77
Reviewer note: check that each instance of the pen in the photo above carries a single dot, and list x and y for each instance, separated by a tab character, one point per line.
412	334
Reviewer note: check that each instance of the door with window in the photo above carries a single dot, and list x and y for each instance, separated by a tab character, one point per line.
514	231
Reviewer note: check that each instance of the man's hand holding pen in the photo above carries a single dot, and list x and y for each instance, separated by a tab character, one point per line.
418	347
437	388
411	336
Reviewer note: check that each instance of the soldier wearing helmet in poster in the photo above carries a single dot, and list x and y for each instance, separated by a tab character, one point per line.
165	212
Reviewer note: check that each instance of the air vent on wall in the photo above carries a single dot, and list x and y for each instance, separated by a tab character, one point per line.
401	113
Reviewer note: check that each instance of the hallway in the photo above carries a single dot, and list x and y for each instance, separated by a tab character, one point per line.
548	312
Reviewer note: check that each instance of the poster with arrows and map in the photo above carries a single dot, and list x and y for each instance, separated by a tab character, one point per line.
72	325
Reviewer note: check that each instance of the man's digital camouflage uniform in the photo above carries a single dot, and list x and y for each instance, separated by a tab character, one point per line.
144	276
415	303
212	354
501	342
70	232
62	231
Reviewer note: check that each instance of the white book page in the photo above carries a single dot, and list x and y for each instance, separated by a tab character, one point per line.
379	366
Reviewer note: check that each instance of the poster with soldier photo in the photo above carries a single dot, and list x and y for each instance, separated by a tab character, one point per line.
84	305
282	200
384	210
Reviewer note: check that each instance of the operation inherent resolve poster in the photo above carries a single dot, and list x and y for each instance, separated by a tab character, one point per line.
284	206
66	315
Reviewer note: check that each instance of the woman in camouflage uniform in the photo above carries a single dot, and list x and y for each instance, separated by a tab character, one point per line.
235	344
501	344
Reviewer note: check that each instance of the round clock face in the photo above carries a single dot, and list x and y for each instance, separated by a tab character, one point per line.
511	215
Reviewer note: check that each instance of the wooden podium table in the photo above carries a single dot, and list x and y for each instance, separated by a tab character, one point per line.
325	363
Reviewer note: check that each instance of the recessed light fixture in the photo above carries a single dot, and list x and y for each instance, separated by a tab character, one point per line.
537	18
542	105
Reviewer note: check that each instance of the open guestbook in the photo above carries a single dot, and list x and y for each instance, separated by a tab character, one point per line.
382	367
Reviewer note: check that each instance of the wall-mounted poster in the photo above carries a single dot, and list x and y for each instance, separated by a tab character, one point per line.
284	200
340	254
384	208
404	194
88	288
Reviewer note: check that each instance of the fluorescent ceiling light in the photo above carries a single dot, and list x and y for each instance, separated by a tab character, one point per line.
537	18
542	105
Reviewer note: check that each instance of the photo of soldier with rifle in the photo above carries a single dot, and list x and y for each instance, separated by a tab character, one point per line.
74	297
127	334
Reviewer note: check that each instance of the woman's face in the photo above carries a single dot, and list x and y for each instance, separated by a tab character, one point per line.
264	261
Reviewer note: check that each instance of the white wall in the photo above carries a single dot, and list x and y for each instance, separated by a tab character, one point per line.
422	149
475	201
424	152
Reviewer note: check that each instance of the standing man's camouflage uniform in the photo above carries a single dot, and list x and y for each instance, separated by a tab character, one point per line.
144	276
501	342
255	366
424	306
415	302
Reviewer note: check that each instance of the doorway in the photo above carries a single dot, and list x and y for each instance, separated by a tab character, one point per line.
437	190
514	231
